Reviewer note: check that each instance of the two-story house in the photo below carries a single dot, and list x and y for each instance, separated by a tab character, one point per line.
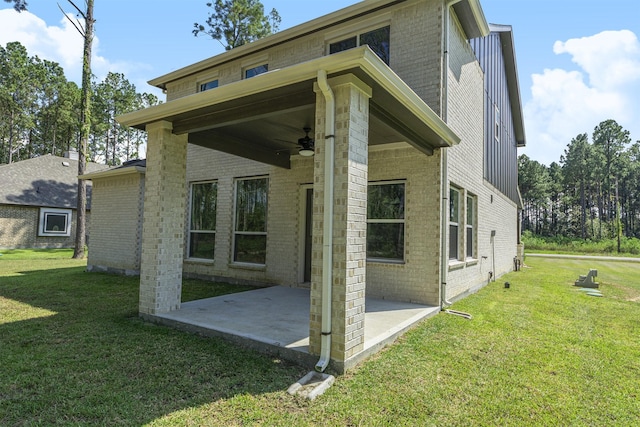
370	152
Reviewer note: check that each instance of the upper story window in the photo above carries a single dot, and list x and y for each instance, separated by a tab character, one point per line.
208	85
254	71
378	41
385	221
497	124
202	221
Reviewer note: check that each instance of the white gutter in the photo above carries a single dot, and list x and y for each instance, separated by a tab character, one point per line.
327	236
444	168
113	172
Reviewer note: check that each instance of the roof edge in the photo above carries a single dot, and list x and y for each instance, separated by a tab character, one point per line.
305	28
471	17
113	172
511	69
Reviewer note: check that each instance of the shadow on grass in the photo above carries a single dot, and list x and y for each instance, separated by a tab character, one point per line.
74	351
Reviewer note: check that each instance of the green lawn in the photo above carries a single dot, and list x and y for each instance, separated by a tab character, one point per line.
74	352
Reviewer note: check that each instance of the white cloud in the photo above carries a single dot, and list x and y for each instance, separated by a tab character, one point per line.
63	44
566	103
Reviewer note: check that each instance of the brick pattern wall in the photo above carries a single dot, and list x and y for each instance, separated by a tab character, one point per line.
495	211
164	219
349	219
416	34
118	206
415	280
284	215
415	28
19	229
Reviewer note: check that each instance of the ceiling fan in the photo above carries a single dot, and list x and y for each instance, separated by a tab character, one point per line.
305	144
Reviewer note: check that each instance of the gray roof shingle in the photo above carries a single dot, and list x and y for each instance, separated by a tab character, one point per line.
49	181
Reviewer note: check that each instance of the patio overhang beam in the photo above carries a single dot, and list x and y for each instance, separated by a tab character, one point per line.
220	141
266	105
409	135
290	89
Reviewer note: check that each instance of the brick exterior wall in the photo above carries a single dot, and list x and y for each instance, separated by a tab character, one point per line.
115	246
283	216
417	279
416	33
164	218
465	165
19	229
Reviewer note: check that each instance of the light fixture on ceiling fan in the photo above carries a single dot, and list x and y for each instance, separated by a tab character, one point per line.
306	144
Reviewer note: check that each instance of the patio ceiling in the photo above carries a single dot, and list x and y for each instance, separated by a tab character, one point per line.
263	117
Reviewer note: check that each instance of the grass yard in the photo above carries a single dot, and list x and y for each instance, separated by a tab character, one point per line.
74	352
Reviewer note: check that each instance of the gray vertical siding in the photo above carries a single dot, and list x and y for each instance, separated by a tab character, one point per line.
500	157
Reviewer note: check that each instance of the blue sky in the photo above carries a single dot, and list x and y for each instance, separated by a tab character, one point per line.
578	60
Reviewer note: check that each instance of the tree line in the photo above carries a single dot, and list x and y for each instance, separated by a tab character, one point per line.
40	111
592	193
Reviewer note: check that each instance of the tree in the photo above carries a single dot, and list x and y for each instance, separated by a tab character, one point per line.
85	121
17	99
111	141
18	5
577	175
238	22
533	178
610	139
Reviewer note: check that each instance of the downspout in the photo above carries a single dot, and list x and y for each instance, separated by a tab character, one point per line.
327	233
444	175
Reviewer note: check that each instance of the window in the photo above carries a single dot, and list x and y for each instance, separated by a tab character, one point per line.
497	124
202	222
378	41
250	235
385	221
254	71
454	221
55	222
470	225
208	85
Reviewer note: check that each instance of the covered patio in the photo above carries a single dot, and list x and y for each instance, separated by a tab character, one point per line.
275	320
352	100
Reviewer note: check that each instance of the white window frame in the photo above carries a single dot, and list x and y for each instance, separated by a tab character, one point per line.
453	222
471	204
191	230
391	221
248	233
497	127
44	215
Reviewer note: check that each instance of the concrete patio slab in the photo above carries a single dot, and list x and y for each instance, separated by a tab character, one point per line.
276	320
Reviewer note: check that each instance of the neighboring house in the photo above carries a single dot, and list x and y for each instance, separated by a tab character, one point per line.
118	199
38	200
409	192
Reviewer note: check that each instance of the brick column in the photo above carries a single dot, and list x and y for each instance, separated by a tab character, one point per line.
349	218
164	215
